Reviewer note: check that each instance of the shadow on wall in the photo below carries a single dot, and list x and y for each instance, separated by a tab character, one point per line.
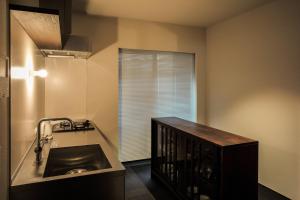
79	6
102	71
270	116
253	87
101	31
194	40
107	35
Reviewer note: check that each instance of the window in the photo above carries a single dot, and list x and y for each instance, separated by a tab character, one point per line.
152	84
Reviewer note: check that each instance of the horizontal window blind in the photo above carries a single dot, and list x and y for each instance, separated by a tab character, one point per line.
152	84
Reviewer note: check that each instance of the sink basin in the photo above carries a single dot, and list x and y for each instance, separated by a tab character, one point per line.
77	159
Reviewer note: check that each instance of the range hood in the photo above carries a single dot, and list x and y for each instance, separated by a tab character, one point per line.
76	47
49	26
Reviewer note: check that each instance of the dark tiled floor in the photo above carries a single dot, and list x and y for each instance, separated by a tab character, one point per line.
135	189
140	186
267	194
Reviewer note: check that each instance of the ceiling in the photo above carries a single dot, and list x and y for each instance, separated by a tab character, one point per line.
184	12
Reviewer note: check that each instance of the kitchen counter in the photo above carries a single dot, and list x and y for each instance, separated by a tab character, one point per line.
30	173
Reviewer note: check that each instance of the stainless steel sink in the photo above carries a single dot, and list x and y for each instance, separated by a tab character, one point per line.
77	159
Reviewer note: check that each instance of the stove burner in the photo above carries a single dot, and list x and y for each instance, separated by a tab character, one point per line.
84	124
65	126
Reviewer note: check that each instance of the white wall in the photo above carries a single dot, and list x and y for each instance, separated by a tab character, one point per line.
65	88
253	87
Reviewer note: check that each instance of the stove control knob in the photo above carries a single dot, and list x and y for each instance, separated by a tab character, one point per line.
86	123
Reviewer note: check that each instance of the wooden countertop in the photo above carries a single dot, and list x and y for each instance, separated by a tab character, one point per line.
215	136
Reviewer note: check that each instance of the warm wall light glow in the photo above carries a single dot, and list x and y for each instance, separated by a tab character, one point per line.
25	73
60	56
41	73
19	73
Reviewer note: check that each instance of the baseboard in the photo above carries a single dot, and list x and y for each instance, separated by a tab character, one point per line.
264	189
137	163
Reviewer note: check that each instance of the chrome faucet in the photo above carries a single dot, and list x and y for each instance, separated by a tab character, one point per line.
39	147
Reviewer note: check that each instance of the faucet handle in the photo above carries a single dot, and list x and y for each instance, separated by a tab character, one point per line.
46	139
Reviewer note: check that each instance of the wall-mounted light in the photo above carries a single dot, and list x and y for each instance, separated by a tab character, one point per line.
19	73
40	73
25	73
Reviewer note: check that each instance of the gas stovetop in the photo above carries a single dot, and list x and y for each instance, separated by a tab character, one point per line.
65	126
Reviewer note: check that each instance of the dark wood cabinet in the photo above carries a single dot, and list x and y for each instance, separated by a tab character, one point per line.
199	162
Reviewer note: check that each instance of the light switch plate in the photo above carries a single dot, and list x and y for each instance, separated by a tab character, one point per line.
4	87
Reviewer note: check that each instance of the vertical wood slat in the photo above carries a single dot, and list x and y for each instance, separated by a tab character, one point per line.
192	169
199	169
179	168
185	165
168	155
166	151
172	156
162	149
154	145
179	160
175	160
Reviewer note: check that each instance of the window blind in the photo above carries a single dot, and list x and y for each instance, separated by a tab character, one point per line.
152	84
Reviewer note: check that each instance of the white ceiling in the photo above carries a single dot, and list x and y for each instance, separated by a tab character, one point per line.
183	12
